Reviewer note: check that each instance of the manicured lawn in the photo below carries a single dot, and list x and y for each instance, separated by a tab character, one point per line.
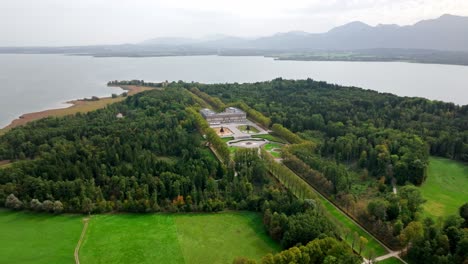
243	128
446	187
38	238
391	260
270	138
274	149
226	139
271	146
175	238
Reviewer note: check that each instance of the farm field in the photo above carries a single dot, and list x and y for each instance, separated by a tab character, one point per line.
38	238
445	187
178	238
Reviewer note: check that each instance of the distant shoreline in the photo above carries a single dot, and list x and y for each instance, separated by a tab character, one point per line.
76	106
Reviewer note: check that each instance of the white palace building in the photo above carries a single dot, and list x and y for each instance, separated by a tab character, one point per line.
230	115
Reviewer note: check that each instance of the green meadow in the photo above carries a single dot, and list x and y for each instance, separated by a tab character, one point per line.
38	238
175	238
134	238
445	188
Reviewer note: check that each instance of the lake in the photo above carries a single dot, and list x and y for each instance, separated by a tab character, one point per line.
31	83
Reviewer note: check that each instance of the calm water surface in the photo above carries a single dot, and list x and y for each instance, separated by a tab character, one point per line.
30	83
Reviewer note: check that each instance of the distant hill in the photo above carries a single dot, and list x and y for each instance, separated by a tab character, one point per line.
448	33
441	40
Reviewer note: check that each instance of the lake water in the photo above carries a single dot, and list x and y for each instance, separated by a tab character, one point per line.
30	83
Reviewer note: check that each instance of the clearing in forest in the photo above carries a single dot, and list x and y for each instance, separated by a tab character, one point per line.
445	188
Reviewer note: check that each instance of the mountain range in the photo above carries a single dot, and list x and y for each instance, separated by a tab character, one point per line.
447	33
441	40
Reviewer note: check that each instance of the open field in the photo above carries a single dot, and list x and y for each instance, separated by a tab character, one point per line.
445	188
219	238
78	106
134	238
177	238
38	238
131	238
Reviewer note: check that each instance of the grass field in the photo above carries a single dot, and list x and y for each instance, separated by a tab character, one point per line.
274	149
208	238
179	238
133	238
38	238
226	139
446	187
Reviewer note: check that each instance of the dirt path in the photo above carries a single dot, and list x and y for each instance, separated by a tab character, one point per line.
4	162
393	254
83	232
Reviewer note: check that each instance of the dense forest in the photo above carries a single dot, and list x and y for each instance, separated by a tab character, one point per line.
151	158
355	144
385	134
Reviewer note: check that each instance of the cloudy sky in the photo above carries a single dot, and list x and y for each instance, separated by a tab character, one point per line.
82	22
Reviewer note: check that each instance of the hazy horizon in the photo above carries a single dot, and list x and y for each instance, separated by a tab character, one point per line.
90	22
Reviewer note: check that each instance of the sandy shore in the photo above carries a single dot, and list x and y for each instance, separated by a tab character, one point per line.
77	106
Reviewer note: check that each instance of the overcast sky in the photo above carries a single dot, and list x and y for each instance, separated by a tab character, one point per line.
81	22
